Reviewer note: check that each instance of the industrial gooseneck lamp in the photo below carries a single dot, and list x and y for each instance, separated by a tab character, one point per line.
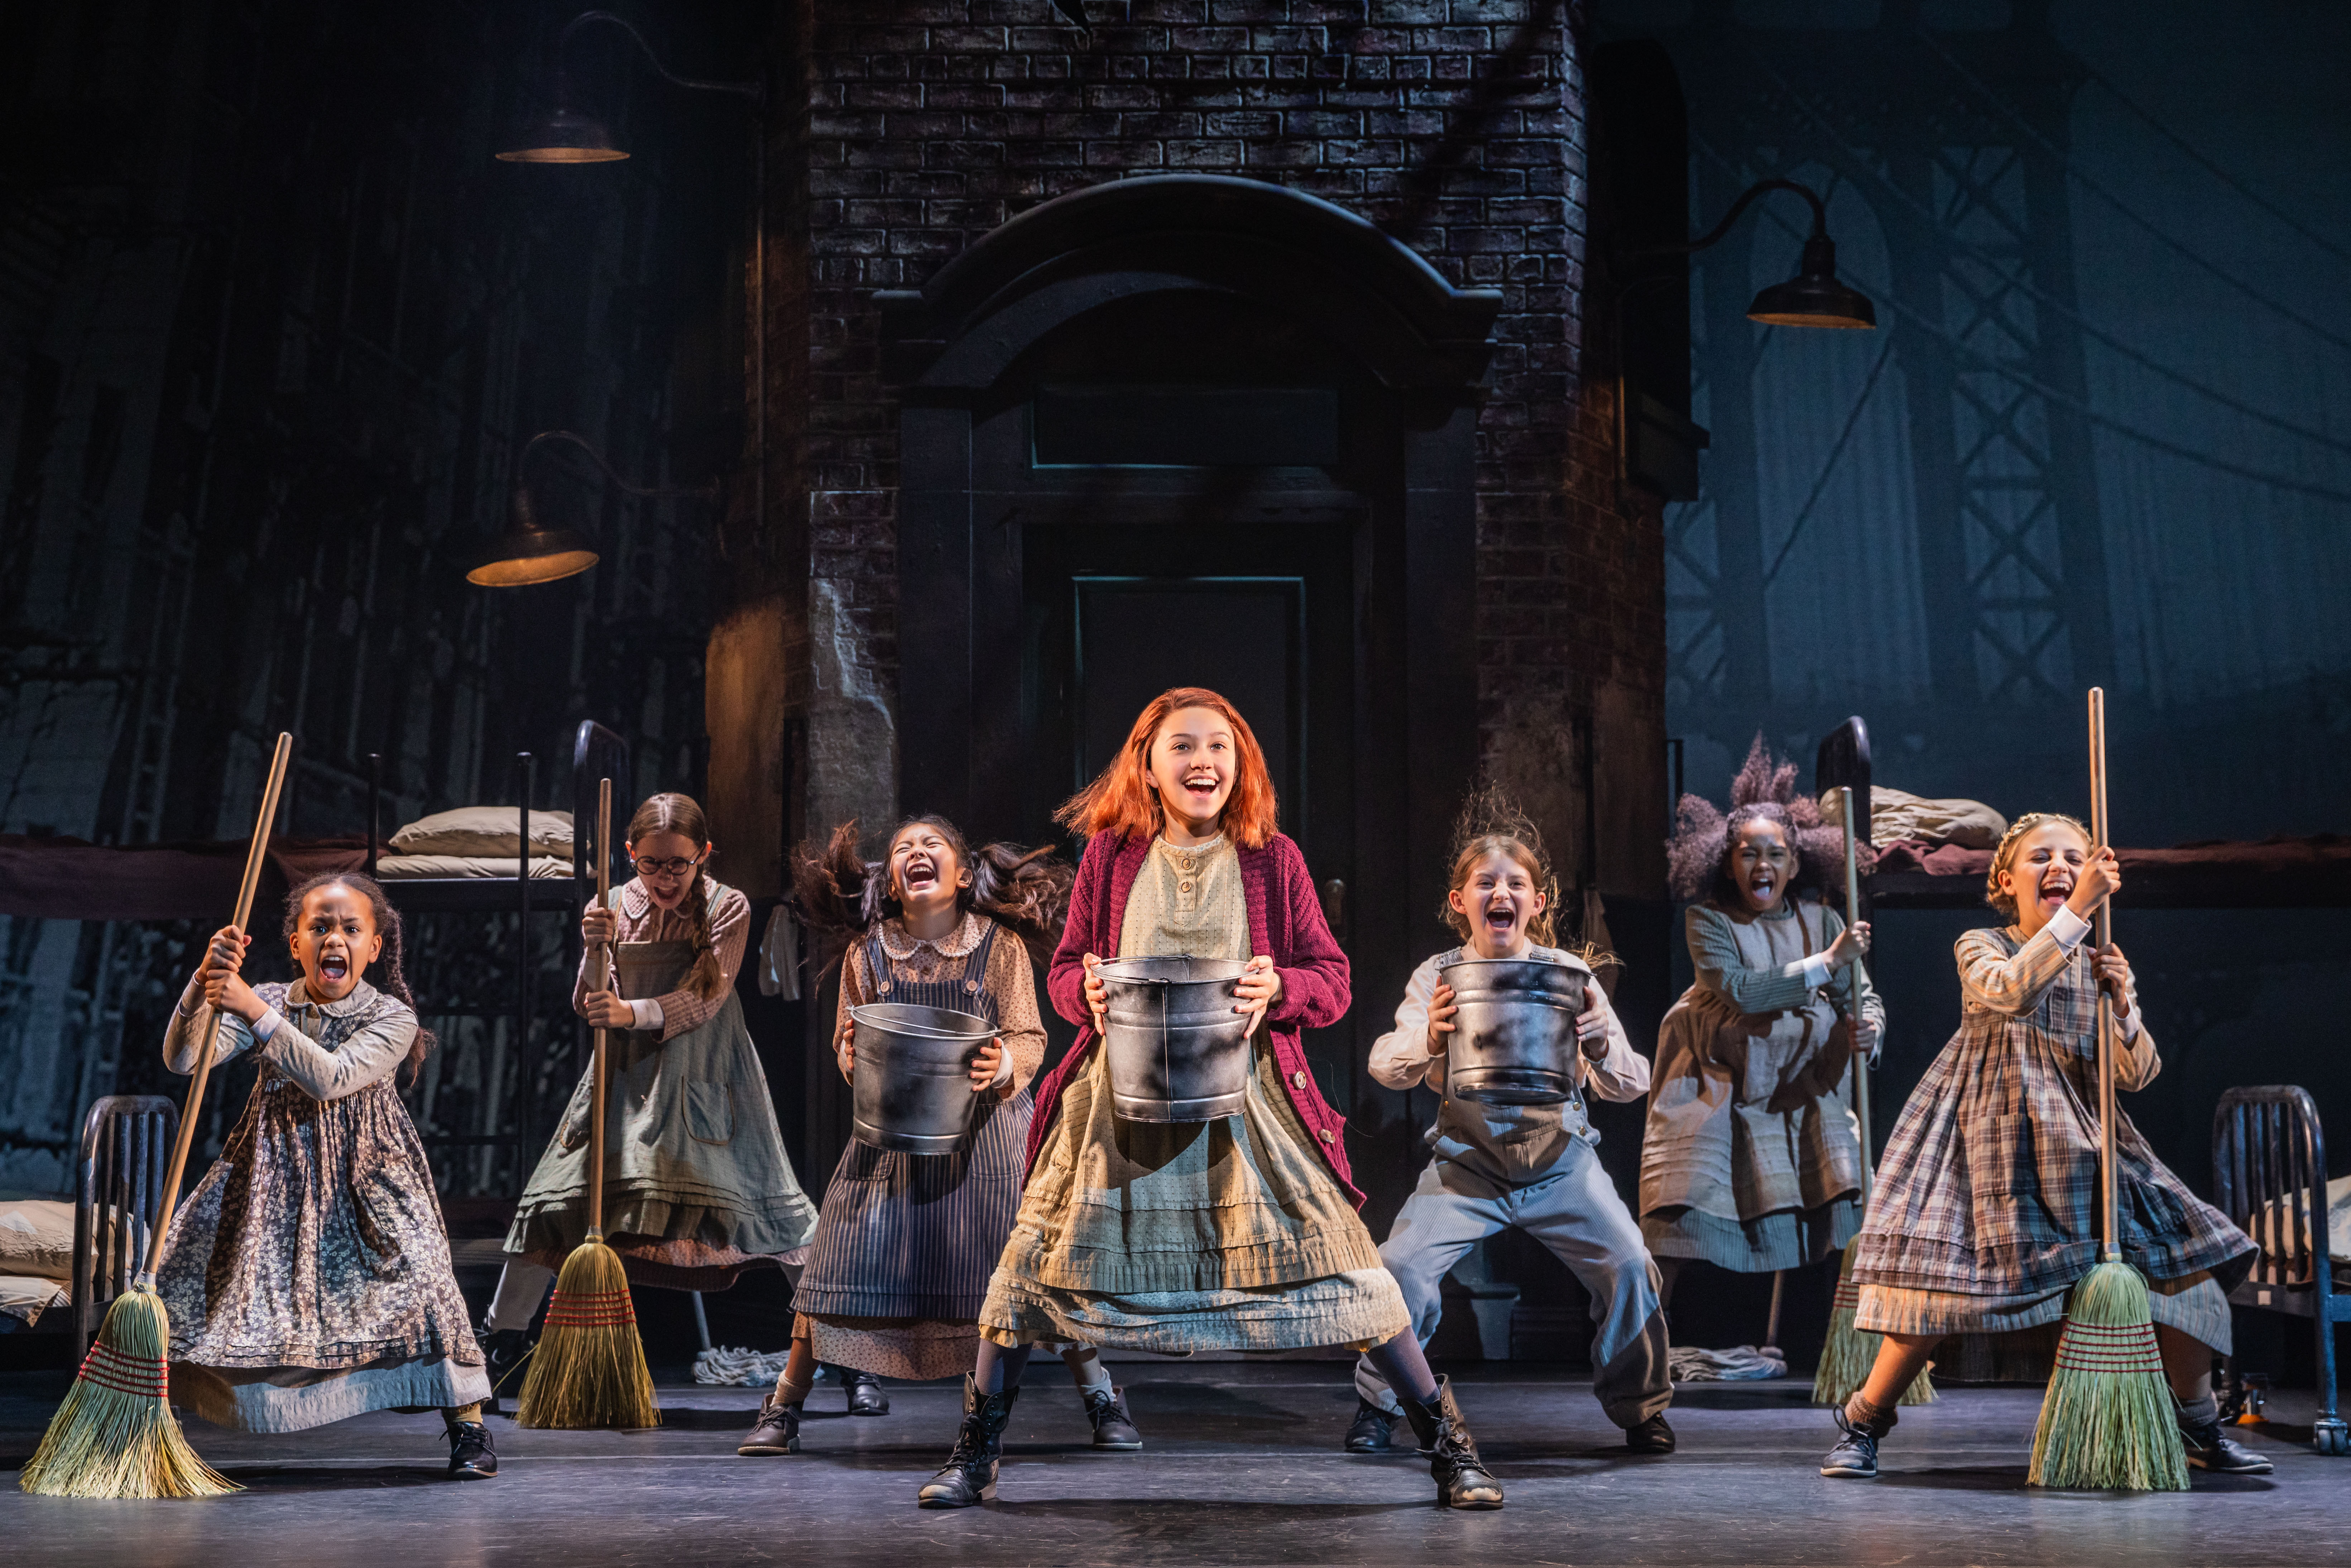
1814	297
532	551
564	133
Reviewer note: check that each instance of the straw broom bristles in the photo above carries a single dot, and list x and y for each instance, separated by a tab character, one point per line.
115	1435
1850	1353
2107	1421
589	1369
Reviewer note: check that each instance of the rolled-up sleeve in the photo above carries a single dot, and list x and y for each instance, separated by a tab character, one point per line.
1621	1074
1400	1058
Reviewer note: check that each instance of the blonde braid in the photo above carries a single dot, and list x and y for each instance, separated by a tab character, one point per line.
2004	904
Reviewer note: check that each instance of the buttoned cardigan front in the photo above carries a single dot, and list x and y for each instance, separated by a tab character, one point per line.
1285	923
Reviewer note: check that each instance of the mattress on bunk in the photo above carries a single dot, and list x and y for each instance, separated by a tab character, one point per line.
2269	1219
55	878
2310	871
404	868
25	1297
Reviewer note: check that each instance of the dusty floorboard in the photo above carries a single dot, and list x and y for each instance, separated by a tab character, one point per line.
1242	1466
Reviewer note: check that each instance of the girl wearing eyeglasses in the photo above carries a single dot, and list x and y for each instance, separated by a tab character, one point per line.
698	1187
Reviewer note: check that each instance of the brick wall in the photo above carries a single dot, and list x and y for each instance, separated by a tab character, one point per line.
1456	125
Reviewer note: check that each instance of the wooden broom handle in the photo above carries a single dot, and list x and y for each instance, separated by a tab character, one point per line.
254	854
2102	933
1860	1066
596	1109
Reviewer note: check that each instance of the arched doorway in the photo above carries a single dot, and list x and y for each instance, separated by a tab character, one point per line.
1192	429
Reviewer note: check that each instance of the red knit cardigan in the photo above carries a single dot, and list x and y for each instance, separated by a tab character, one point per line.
1285	922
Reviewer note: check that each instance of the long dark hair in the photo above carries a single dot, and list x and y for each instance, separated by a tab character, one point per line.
842	896
395	944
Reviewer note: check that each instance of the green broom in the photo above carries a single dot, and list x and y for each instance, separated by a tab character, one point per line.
1850	1353
2108	1422
115	1435
589	1369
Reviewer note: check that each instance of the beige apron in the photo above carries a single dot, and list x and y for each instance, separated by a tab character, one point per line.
1748	1119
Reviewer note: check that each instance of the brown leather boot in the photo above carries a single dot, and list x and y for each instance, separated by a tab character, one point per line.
1462	1479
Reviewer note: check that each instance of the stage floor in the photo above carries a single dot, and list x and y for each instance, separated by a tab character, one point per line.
1242	1466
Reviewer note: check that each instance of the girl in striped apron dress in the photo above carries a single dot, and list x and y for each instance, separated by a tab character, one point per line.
906	1243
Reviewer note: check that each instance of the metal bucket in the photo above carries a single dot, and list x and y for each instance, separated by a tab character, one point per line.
1513	1039
1179	1052
912	1078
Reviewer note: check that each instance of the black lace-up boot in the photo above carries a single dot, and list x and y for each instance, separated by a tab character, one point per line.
1368	1433
970	1475
1462	1479
471	1457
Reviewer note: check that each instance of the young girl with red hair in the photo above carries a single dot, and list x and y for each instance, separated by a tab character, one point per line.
1238	1235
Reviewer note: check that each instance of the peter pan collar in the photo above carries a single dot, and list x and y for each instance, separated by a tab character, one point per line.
957	944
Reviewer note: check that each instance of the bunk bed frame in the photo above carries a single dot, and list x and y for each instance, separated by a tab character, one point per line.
597	753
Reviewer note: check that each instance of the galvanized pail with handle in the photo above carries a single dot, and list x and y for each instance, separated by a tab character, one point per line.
1178	1051
911	1082
1513	1040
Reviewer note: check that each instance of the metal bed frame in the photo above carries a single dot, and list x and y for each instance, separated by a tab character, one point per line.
126	1142
2268	1177
597	753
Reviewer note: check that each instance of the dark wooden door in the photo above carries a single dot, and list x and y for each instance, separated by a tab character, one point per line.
1112	620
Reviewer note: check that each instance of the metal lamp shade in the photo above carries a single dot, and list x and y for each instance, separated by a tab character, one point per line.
1814	298
530	553
564	136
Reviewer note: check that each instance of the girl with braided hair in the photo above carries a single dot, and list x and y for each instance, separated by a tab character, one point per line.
899	1269
1986	1209
1534	1167
308	1275
698	1187
1751	1160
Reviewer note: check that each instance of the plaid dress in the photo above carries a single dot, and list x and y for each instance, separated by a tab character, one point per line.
1986	1208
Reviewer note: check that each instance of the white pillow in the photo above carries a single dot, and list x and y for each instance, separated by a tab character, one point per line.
485	830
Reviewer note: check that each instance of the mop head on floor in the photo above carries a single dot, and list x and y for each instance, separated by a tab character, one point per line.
1740	1364
115	1435
589	1370
1850	1353
730	1366
2107	1421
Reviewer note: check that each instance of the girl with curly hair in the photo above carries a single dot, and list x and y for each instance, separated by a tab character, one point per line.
1986	1208
1236	1234
1751	1159
1535	1168
308	1275
905	1243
